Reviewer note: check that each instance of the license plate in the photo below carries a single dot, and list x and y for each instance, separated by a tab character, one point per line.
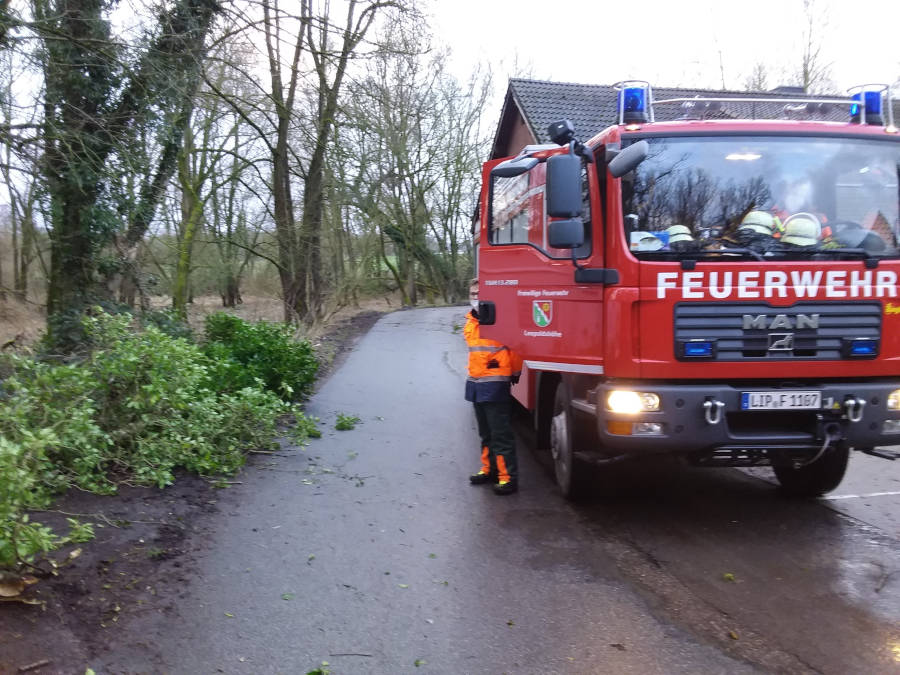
781	400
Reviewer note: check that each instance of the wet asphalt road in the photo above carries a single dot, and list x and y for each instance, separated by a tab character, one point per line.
368	550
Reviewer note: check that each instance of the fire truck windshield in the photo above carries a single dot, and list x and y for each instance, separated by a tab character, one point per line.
763	196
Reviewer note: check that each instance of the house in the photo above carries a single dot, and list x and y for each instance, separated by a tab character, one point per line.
531	105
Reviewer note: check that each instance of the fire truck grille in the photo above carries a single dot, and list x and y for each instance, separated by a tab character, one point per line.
757	331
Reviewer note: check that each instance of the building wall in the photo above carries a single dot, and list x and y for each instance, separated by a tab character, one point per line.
518	138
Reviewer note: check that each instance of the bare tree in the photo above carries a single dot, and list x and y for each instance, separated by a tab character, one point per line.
213	166
320	50
758	79
330	57
418	132
813	73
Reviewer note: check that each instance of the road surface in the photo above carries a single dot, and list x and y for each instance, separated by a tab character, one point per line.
369	551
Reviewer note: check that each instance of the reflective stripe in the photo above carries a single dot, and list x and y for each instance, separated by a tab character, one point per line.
487	348
488	358
564	367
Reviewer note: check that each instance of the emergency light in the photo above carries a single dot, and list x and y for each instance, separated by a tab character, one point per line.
868	103
635	101
860	348
697	349
870	96
863	348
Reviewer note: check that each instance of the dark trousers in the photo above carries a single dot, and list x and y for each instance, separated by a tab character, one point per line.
496	433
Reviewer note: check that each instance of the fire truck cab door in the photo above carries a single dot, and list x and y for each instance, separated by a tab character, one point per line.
554	323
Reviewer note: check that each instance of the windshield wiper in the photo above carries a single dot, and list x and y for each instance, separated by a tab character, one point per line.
871	259
690	259
691	256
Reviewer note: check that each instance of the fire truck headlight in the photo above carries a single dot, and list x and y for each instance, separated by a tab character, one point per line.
893	400
630	402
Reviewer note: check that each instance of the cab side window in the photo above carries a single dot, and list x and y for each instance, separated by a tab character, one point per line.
512	210
585	250
518	213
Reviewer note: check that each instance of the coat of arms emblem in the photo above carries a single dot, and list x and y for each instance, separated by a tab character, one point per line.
542	312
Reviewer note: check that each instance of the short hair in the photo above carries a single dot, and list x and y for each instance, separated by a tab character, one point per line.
473	282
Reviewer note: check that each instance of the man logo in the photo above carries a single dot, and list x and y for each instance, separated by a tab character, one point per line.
764	322
781	342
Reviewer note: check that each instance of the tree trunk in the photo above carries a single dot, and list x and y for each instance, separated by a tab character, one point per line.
191	214
411	289
311	238
2	287
181	291
231	295
289	249
26	248
128	290
14	233
73	282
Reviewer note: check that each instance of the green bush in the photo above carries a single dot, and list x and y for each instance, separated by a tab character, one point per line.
56	404
19	466
139	406
245	353
156	403
168	321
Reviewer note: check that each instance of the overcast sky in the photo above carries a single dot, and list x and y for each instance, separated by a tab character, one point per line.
668	43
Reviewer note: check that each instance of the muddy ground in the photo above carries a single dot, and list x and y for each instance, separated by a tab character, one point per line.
139	562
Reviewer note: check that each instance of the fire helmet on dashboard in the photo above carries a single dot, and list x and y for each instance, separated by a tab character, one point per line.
761	222
802	229
679	233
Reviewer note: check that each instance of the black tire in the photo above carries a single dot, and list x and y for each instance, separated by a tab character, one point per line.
570	474
813	480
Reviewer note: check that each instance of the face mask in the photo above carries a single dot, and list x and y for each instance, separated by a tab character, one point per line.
474	304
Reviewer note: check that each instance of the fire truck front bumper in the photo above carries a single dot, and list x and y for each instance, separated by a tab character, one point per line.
636	418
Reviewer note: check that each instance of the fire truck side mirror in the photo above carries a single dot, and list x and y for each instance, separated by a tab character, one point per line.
487	312
565	233
628	159
563	186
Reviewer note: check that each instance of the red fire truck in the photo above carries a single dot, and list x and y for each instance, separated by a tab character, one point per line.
721	289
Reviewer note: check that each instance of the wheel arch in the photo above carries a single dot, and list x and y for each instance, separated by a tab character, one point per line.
543	409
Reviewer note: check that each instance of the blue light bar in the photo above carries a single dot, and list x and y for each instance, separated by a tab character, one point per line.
698	349
872	99
859	348
633	104
863	348
635	99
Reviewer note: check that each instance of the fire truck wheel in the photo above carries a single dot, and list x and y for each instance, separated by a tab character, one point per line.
814	479
569	474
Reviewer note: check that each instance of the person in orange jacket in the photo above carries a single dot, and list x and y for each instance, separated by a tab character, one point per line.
493	368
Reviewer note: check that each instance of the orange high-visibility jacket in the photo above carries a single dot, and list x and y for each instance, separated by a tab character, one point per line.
491	365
